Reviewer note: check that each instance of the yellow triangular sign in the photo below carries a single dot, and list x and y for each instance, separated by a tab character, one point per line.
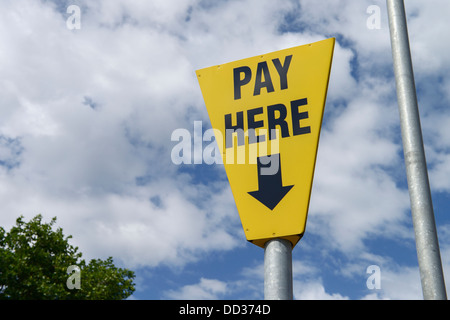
267	114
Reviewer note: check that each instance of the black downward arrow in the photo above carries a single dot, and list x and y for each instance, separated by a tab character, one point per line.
270	187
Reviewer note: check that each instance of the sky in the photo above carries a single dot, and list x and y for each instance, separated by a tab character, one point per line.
91	92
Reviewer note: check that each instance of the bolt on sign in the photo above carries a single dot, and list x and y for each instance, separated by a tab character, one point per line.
266	112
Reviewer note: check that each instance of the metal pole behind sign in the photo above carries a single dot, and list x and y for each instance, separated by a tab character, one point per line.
278	270
427	245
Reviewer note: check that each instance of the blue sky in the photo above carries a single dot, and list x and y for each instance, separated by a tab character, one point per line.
87	117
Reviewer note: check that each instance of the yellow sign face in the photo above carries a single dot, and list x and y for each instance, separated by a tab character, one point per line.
266	113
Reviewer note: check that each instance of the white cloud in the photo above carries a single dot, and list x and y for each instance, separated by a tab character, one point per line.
314	291
354	195
444	242
429	50
206	289
431	66
81	163
403	283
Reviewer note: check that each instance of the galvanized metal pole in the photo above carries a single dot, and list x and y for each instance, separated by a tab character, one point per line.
278	270
430	265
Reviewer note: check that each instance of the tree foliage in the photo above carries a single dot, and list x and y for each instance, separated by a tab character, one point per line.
34	262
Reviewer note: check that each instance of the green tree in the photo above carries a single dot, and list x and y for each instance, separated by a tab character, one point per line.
34	262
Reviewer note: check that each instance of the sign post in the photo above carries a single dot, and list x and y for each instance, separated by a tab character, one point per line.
266	113
278	270
430	265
